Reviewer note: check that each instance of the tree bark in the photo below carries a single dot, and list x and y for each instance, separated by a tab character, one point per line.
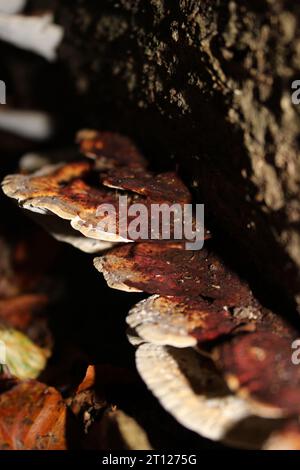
205	85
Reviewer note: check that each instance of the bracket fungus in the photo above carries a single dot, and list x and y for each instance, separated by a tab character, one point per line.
170	270
258	367
62	231
61	190
165	188
109	149
180	322
190	388
74	192
216	358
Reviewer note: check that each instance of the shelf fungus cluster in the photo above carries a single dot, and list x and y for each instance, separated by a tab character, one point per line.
216	358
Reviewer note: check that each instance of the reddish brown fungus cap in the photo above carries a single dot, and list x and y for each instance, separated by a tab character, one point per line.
259	366
170	269
110	149
180	322
73	192
165	187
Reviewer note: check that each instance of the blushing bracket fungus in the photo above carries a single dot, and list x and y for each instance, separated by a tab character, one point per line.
186	322
62	231
61	190
198	301
180	322
74	192
258	367
110	150
168	269
164	188
191	390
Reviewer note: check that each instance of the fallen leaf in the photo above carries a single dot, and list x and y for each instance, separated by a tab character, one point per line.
25	261
117	430
32	417
21	311
24	359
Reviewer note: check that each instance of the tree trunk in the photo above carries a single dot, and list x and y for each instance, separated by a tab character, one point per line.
205	85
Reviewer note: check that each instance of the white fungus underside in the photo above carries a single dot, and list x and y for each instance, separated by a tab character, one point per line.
167	373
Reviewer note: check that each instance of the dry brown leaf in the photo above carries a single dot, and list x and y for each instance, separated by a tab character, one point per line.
32	417
21	311
25	262
117	430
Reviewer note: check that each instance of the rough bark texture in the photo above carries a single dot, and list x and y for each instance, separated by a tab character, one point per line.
206	84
